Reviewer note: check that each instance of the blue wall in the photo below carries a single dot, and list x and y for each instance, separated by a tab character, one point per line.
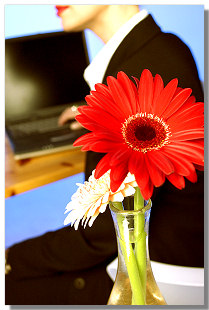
40	210
37	211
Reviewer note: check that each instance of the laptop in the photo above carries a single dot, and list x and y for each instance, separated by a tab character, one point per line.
43	76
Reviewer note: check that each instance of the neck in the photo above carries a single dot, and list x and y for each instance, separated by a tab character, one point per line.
111	19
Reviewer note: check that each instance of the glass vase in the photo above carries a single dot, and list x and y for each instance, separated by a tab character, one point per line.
134	283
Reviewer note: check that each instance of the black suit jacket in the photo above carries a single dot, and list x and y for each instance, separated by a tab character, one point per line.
176	225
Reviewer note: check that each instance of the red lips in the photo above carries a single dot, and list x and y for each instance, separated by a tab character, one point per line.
61	8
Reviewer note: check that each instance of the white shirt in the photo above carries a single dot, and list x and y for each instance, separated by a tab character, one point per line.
94	73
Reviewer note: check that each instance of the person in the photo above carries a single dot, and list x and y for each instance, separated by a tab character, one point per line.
68	266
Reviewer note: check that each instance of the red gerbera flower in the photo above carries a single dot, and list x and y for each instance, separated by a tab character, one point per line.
149	130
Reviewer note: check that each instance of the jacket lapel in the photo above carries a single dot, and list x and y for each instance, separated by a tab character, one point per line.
142	33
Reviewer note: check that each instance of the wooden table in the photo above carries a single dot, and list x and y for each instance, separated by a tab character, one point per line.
27	174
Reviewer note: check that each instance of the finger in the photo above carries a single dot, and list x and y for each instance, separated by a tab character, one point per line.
66	115
75	125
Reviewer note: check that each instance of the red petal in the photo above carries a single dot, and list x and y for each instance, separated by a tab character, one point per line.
188	103
88	137
188	135
178	90
187	124
119	95
85	122
177	180
165	97
192	177
157	176
200	168
158	88
137	166
193	151
119	172
186	112
161	161
117	175
145	91
130	90
103	118
103	146
137	82
147	190
123	154
181	164
114	185
89	124
107	135
102	88
176	102
106	103
92	141
103	166
134	161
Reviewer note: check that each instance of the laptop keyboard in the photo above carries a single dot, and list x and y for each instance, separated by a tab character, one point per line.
36	126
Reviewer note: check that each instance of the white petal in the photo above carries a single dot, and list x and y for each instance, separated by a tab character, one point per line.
70	206
92	220
129	178
76	224
128	191
67	220
103	208
117	197
105	198
84	221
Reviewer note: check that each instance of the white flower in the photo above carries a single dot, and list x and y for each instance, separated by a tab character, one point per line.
92	197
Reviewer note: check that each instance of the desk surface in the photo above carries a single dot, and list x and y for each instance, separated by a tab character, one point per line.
27	174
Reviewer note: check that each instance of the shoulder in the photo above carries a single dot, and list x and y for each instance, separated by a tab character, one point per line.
164	54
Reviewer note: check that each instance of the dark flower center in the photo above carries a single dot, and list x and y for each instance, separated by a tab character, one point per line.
145	132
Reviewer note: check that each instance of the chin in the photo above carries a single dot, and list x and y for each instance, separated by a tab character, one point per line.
71	28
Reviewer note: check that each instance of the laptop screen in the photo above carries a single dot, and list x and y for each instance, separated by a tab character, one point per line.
42	71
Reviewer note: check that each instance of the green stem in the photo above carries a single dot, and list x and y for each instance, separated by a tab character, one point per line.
140	237
140	251
138	293
138	220
138	199
138	297
117	204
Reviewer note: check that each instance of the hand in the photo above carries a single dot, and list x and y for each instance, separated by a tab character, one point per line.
7	266
67	115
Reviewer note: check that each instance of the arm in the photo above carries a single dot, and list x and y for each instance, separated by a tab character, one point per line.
64	250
